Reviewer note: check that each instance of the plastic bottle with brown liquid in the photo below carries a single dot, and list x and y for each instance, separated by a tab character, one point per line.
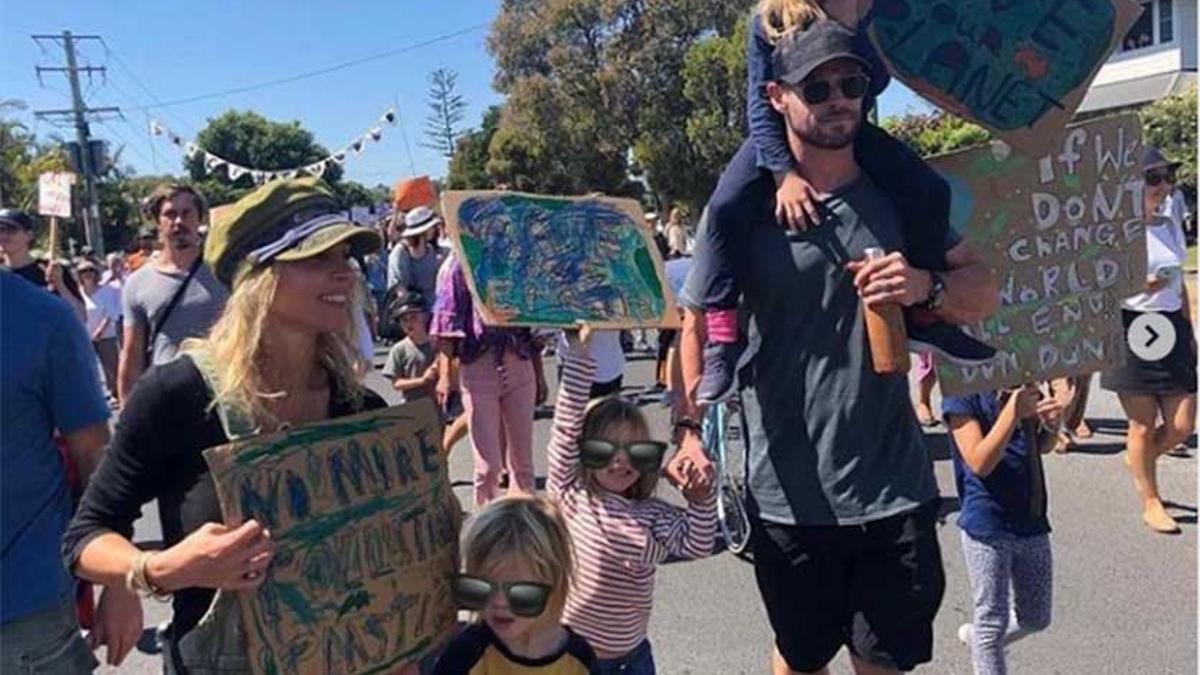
885	332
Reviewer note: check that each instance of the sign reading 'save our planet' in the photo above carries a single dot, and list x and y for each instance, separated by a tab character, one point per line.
366	530
1065	237
1018	67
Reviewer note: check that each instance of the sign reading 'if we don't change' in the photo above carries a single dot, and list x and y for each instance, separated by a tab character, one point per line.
1065	236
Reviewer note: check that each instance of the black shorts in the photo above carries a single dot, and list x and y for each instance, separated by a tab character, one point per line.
874	588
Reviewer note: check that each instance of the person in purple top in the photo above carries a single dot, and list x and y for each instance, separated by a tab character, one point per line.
500	370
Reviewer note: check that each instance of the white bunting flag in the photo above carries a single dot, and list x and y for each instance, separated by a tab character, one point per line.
375	133
236	172
156	128
212	162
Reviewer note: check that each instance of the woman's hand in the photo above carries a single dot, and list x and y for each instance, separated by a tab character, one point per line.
444	388
118	625
1049	411
1155	284
796	202
214	556
54	278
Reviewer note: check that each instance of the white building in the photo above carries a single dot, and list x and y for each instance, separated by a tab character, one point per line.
1157	58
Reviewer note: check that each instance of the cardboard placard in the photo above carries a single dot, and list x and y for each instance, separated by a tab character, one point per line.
1021	69
366	529
413	192
533	260
54	194
1065	237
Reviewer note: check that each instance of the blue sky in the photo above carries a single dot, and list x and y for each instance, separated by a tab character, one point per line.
163	51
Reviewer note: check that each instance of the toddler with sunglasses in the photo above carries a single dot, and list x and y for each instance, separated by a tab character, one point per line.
604	469
764	171
517	557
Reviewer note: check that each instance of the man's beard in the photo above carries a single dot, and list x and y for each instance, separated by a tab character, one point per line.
823	137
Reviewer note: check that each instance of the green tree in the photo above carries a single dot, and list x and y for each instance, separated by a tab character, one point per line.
447	108
1169	124
596	88
935	133
251	140
468	166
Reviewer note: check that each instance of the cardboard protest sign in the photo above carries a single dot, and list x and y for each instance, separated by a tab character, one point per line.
1021	69
532	260
54	194
1064	234
366	527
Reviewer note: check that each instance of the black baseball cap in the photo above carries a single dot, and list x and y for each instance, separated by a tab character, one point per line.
412	301
800	52
18	218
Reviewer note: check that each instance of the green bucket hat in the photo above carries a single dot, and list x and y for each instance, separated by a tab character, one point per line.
283	220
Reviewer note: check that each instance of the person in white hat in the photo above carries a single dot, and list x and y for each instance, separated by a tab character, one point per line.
413	262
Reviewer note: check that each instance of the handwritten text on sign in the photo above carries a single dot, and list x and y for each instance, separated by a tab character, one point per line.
1019	68
1065	236
366	528
54	194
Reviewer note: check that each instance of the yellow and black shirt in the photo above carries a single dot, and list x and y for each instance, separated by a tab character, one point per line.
477	651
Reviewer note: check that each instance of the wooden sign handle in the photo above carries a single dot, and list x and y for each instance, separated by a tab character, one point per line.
53	246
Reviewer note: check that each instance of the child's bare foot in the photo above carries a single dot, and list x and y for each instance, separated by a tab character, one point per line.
1083	431
925	416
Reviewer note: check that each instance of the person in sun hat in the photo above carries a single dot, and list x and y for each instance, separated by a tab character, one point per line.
414	261
282	353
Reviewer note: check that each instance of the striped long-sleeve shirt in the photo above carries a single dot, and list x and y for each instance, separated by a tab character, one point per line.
618	541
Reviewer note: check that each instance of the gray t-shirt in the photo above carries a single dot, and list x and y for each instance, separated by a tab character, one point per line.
148	292
408	359
831	442
418	273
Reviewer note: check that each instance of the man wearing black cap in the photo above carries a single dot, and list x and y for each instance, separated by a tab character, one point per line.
174	296
16	236
840	483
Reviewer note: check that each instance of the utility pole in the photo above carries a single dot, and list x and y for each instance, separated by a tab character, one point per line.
88	163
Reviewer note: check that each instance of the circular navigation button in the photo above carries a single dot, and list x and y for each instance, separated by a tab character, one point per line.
1151	336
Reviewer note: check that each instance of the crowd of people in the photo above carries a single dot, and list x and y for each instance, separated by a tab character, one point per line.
270	318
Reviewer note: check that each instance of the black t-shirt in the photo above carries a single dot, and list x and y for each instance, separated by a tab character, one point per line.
33	273
156	454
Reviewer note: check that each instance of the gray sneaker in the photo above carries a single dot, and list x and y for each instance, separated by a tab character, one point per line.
720	370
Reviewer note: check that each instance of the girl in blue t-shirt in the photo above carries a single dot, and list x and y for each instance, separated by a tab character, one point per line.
1005	533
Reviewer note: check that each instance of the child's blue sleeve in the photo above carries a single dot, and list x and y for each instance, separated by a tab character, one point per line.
766	126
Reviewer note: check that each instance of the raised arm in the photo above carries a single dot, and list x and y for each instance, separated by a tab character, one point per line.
569	409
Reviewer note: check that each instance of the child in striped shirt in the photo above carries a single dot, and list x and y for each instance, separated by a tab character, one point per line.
604	469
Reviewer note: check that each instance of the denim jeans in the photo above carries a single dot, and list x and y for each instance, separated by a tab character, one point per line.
639	661
45	642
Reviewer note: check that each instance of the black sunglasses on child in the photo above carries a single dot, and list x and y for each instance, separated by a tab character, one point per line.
1154	178
818	91
644	456
525	598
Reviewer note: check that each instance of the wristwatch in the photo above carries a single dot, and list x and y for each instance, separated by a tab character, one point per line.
937	292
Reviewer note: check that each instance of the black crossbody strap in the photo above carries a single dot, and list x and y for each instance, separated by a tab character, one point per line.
162	318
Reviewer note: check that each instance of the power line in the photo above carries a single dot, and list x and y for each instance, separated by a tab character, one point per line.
138	81
314	73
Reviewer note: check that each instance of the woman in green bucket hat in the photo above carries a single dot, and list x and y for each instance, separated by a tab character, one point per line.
283	353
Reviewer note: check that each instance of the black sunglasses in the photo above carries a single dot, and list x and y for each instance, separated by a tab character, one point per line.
525	598
1154	178
818	91
644	456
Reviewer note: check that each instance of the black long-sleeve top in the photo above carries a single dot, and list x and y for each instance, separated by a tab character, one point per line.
156	454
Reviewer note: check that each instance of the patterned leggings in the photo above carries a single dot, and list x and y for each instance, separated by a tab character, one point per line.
994	565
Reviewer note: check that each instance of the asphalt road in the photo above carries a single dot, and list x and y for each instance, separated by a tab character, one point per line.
1124	597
